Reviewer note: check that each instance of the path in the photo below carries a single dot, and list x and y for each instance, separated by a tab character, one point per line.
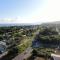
24	55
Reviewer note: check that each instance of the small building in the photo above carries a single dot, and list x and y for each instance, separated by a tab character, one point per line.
55	56
36	44
2	47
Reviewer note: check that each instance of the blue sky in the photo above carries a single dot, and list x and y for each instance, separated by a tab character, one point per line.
22	8
29	11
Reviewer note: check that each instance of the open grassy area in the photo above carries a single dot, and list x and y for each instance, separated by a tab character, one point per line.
26	43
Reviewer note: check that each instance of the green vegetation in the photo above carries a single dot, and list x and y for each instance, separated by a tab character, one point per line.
48	36
50	39
19	38
26	43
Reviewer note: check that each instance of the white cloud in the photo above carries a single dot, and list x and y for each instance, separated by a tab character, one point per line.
50	12
53	10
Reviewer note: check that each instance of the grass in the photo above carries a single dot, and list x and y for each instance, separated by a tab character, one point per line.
25	44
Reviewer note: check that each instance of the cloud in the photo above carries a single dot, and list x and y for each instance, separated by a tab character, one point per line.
6	20
48	12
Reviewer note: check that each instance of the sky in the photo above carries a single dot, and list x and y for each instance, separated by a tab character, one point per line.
29	11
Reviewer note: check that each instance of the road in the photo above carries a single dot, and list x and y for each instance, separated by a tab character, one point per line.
24	55
3	54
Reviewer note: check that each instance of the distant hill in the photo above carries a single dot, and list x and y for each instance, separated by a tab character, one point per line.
15	24
51	24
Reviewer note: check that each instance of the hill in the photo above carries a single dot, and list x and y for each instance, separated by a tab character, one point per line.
51	24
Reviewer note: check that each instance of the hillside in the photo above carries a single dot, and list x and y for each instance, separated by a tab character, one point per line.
51	24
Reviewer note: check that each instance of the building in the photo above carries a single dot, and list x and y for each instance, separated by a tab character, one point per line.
36	44
55	56
2	47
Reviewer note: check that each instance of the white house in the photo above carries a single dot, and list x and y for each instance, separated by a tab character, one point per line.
55	57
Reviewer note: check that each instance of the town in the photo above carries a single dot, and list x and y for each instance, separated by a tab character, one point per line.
29	29
25	42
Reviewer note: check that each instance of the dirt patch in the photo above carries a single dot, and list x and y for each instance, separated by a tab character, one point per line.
39	58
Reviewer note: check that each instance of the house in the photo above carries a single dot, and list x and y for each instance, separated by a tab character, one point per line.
2	47
36	44
55	56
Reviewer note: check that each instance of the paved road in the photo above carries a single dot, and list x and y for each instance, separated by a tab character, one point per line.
3	54
24	55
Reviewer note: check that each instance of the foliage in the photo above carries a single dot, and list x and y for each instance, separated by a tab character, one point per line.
48	36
